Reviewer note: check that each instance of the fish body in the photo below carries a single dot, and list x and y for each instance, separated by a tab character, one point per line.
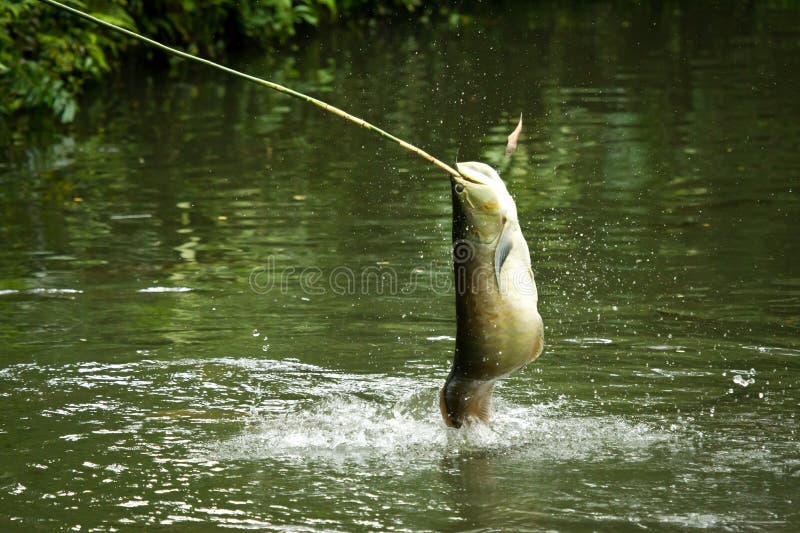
499	328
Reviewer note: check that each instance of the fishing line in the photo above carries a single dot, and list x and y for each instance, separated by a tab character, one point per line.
274	86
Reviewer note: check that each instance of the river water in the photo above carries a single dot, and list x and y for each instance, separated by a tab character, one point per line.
222	307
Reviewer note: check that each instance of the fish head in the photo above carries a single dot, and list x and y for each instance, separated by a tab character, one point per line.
481	200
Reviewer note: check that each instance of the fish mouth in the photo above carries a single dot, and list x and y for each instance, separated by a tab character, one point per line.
470	174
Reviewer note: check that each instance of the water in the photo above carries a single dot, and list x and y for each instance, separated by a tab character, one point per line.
220	307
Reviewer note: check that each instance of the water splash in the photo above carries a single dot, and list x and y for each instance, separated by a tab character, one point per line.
297	411
409	430
744	378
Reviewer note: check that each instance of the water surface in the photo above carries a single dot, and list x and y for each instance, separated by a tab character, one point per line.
219	306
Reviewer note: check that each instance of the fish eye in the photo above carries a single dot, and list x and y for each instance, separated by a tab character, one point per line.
459	188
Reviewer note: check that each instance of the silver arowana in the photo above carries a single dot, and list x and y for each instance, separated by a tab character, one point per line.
498	326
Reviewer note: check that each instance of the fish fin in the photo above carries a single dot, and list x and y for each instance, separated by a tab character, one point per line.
513	138
480	408
504	246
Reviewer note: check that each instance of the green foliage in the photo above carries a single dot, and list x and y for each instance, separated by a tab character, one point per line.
45	61
46	56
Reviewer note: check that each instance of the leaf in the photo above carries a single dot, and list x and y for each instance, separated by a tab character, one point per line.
513	138
69	112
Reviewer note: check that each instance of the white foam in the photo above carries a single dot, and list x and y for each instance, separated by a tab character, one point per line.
56	291
165	289
40	290
589	340
410	431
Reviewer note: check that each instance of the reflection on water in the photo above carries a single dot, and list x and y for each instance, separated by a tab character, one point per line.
144	381
241	441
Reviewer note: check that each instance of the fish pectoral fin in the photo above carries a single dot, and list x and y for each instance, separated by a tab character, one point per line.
480	408
504	245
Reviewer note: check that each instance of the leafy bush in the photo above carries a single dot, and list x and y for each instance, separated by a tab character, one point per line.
47	56
44	61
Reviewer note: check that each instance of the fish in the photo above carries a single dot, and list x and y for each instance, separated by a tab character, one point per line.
498	326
